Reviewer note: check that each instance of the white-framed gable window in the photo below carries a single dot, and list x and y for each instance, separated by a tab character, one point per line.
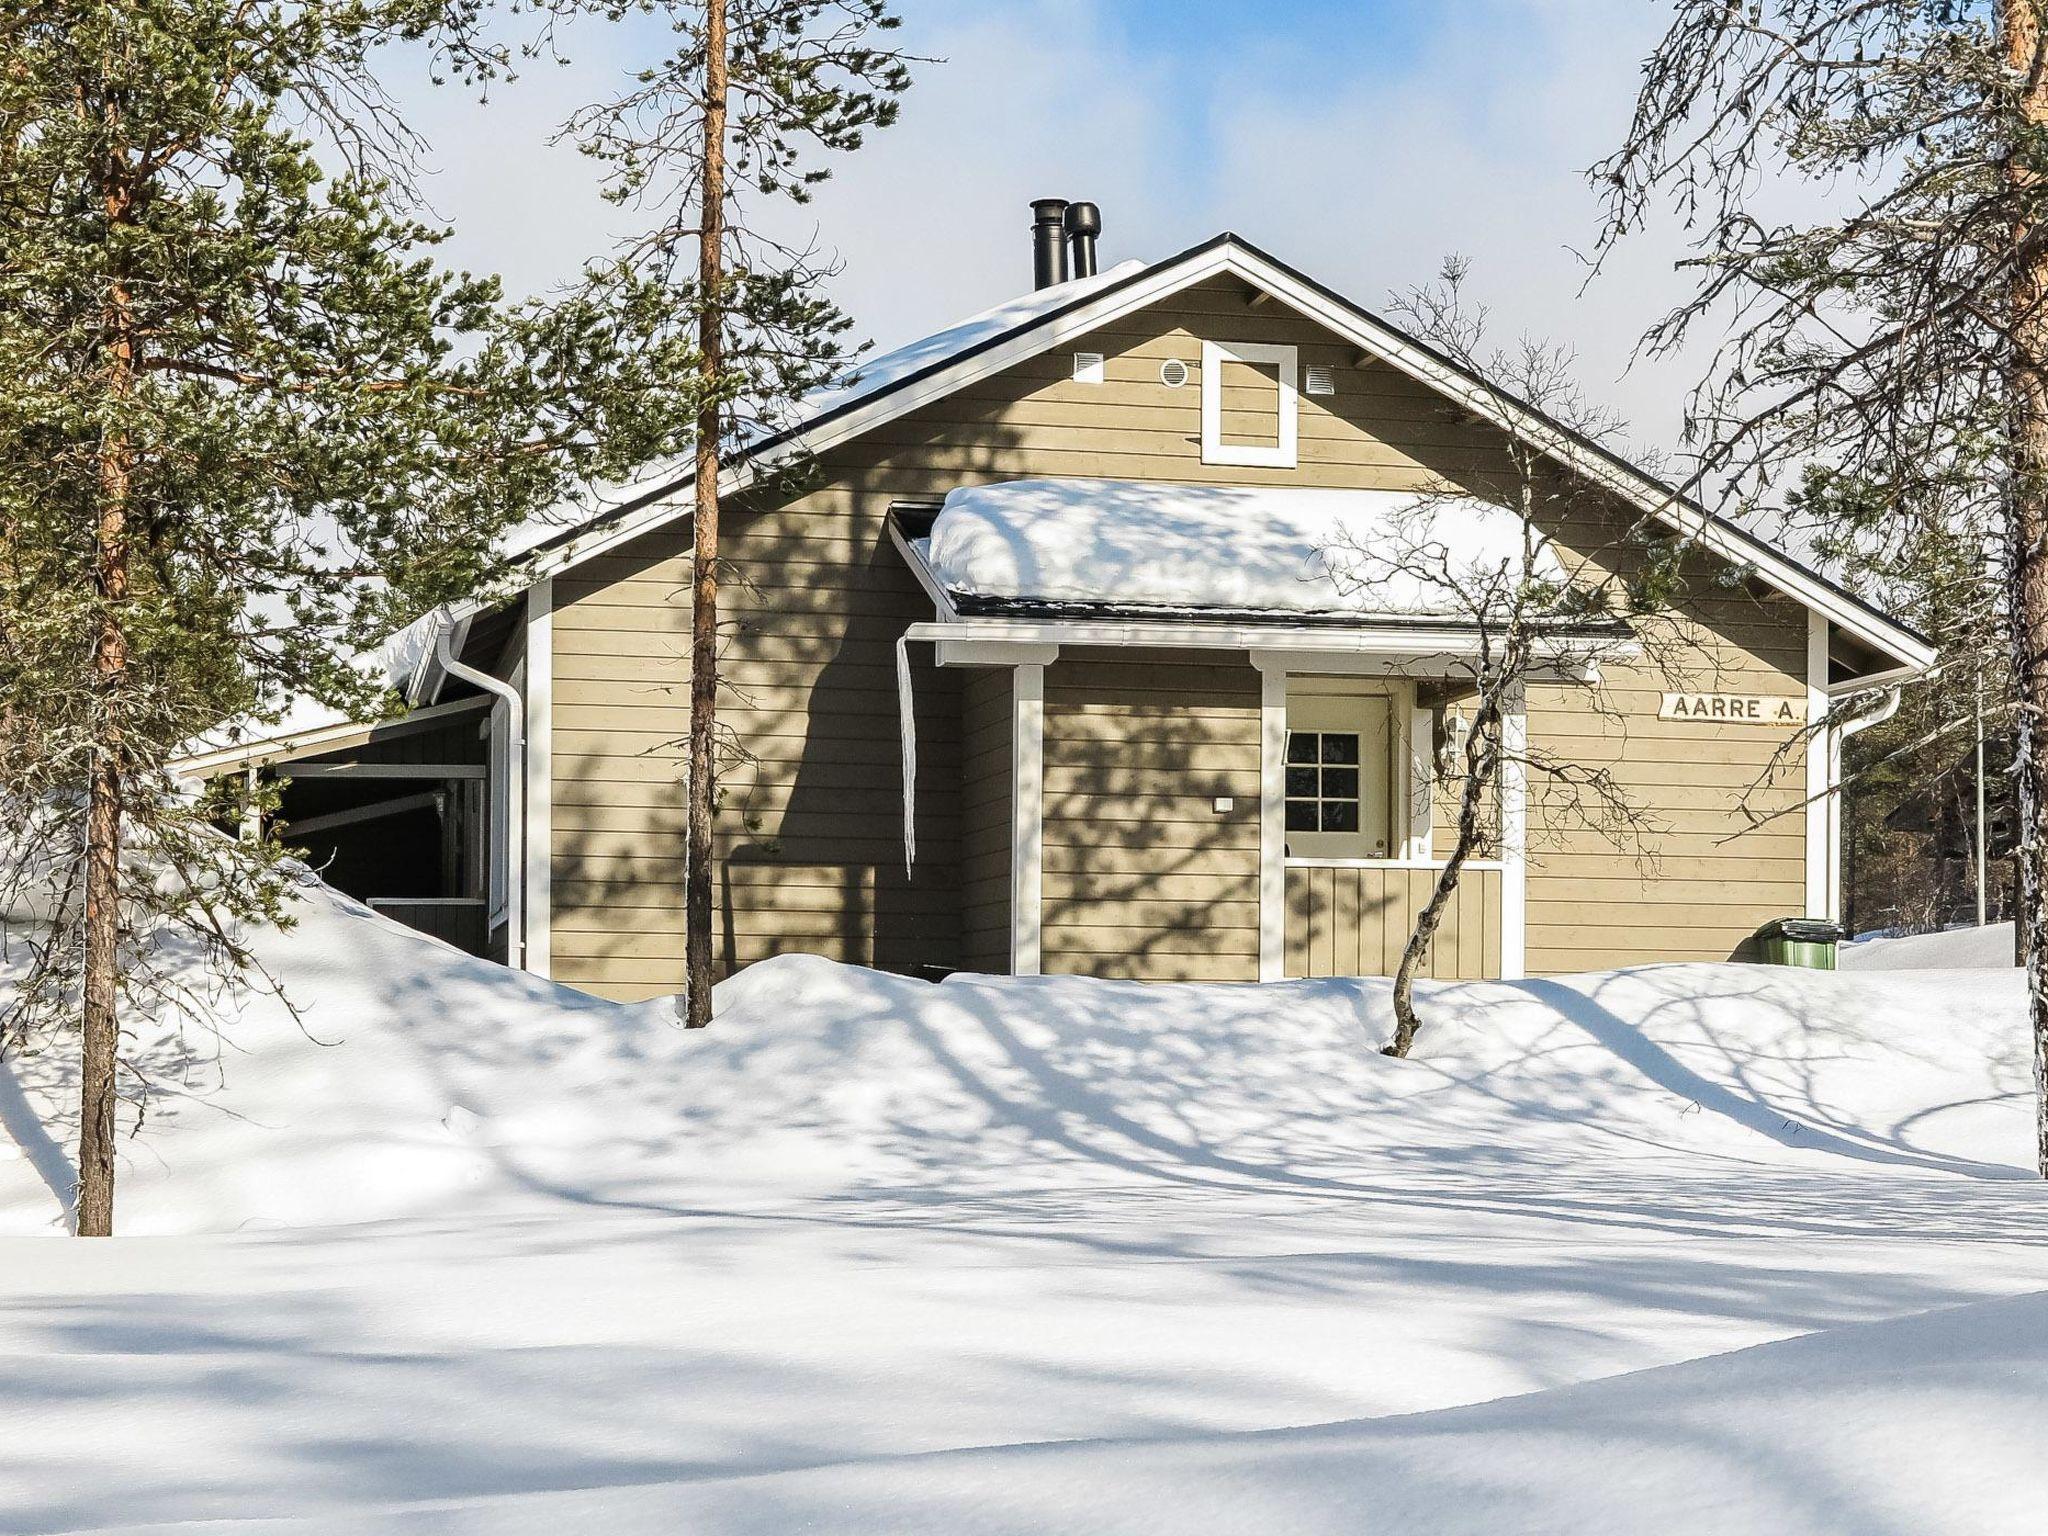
1251	406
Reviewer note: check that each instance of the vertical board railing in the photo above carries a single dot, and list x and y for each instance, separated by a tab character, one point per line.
1354	920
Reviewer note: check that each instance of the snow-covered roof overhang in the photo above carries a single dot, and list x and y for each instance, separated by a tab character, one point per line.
1249	552
897	383
317	731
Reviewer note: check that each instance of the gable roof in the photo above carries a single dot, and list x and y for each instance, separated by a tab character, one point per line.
899	382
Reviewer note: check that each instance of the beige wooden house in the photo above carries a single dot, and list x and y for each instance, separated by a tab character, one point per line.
1160	784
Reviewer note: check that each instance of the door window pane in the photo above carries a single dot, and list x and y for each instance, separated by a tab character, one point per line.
1322	781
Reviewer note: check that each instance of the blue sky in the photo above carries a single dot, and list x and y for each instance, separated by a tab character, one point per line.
1361	139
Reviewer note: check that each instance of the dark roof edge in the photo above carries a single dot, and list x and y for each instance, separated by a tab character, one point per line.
1599	450
1227	237
915	376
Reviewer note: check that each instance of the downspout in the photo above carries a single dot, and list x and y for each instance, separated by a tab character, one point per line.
508	788
1840	734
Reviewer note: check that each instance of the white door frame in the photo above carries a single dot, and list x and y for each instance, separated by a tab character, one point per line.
1274	670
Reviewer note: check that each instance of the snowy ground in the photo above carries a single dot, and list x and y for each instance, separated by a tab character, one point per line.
1989	948
1043	1256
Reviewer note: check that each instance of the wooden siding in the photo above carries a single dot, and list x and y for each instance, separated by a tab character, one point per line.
1144	878
1704	878
1354	921
809	825
1701	878
986	820
456	922
810	851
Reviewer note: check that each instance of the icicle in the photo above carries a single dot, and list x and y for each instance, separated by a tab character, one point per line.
907	720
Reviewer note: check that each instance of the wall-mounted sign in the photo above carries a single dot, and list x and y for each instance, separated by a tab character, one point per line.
1734	708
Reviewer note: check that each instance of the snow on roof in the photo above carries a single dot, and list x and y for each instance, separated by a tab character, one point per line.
889	368
1265	549
868	376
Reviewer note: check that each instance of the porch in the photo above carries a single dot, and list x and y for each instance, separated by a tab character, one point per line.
1200	814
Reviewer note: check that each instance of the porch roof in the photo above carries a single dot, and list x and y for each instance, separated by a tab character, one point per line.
1088	547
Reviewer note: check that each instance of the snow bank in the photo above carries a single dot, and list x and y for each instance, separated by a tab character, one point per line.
1034	1256
1267	549
416	1080
1928	1424
1959	949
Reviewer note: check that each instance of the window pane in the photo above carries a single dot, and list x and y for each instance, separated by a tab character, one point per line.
1340	815
1301	781
1301	746
1301	815
1340	747
1340	783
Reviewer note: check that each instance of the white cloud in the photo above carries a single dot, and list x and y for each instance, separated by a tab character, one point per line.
1477	144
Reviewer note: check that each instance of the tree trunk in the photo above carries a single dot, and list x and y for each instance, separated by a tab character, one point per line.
1482	769
704	545
2027	544
99	1022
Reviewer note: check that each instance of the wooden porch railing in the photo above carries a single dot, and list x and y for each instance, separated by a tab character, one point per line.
1354	920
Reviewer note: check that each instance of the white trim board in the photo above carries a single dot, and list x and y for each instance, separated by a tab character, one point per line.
1821	799
1377	340
1514	838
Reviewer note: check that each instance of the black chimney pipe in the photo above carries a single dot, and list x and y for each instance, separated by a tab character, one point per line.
1084	223
1048	242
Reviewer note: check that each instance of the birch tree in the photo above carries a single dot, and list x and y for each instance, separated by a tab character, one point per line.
248	424
1534	609
755	94
1896	339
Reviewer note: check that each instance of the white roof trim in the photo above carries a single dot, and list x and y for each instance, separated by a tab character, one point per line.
314	740
1403	643
1228	255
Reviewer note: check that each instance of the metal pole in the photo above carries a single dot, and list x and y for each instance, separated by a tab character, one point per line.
1981	841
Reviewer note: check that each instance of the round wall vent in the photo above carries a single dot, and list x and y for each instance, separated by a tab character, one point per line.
1173	373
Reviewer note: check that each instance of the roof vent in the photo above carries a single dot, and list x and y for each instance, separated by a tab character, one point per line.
1048	242
1173	373
1084	224
1088	368
1319	379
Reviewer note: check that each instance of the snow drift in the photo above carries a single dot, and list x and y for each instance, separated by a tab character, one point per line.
1989	948
416	1080
1037	1256
1929	1424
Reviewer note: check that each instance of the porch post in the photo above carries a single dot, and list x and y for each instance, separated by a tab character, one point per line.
1272	820
1027	816
1514	837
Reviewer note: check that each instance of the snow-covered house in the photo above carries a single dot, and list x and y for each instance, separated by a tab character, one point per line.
1153	738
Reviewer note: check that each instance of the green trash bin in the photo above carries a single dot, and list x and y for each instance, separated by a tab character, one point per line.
1803	941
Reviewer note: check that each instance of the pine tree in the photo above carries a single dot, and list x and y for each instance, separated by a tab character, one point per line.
1900	340
743	106
247	426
